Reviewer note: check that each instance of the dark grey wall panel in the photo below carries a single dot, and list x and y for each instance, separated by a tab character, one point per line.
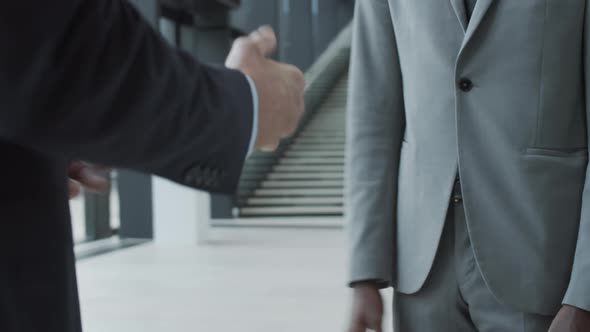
254	13
98	216
135	189
345	11
295	33
135	194
325	23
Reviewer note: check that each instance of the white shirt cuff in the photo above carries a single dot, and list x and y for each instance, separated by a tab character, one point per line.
254	115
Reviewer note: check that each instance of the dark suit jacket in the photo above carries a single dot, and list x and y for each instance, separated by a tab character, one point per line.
91	80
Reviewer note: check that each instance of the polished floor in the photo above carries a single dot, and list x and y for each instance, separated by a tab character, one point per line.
245	279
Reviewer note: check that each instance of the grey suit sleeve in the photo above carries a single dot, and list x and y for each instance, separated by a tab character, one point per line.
375	128
578	293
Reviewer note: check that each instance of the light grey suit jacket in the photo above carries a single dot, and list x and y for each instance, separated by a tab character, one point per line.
518	138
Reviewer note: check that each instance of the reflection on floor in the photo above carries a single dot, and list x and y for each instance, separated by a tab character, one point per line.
247	280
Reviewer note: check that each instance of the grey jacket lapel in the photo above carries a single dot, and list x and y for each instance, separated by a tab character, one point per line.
481	8
459	7
470	27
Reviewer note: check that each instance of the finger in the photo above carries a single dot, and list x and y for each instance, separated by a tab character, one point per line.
76	166
265	40
88	176
269	147
74	189
91	180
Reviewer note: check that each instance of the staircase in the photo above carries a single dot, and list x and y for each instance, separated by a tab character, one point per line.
306	178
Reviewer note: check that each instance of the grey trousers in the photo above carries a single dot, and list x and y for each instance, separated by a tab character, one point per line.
455	297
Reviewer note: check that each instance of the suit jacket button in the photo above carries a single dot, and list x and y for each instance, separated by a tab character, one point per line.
465	85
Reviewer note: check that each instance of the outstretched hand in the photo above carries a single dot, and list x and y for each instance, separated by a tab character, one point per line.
280	86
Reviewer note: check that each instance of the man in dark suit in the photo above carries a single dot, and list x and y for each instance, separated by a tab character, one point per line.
90	80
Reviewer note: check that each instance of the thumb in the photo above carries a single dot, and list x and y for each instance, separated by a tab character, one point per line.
265	40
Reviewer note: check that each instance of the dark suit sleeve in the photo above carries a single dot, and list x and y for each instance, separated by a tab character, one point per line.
90	80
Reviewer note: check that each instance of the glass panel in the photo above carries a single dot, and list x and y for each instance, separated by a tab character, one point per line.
78	219
115	219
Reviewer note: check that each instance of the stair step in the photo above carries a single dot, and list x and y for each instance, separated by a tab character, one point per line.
328	119
320	139
311	147
324	134
296	201
312	144
328	125
303	184
334	127
312	161
294	210
329	122
308	168
326	131
306	176
252	177
335	111
297	192
259	162
324	141
323	154
331	108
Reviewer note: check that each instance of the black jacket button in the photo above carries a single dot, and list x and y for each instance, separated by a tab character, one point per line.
465	85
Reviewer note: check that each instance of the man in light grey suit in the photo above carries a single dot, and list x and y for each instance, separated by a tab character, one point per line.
467	173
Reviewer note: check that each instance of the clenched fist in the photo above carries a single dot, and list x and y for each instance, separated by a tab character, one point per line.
280	86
